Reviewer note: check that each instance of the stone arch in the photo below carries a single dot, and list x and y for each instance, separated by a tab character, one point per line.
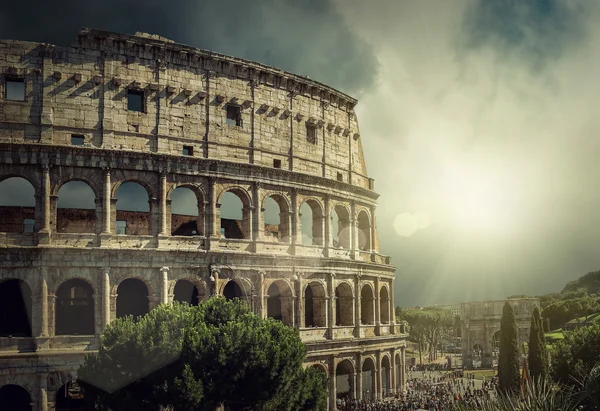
132	298
270	204
234	289
134	213
17	205
344	304
363	224
495	340
384	305
187	291
367	310
386	376
235	225
75	313
344	379
200	284
15	398
280	302
320	367
311	221
15	308
185	203
340	226
76	207
315	305
70	397
368	376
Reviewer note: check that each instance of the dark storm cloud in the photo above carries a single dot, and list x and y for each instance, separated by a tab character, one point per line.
535	31
307	37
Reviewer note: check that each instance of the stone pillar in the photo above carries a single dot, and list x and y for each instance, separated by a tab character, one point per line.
352	382
258	229
332	384
261	295
392	379
300	301
378	377
331	306
163	204
327	226
359	376
353	230
105	298
357	299
377	307
213	212
51	315
43	309
372	233
43	400
106	203
403	368
392	309
214	284
295	229
164	285
46	198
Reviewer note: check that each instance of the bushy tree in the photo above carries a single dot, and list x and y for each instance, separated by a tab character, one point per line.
508	357
427	327
182	357
538	355
577	353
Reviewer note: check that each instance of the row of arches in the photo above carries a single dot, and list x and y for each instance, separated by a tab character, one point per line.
68	397
75	304
77	206
347	378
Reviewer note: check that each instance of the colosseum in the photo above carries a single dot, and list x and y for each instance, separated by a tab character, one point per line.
135	171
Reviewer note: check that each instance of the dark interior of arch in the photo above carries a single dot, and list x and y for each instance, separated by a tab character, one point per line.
232	290
14	398
70	397
186	291
75	308
366	306
274	303
133	209
309	317
184	212
132	299
76	208
232	216
17	206
15	308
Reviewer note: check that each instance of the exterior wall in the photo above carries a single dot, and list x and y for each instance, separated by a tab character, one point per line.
83	90
481	320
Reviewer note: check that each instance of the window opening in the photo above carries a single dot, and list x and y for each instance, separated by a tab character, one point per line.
276	163
121	227
311	133
234	115
77	140
15	89
188	150
135	100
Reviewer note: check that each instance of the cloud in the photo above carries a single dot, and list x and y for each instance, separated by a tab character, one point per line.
307	37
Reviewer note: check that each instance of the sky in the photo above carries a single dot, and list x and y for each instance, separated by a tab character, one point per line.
478	119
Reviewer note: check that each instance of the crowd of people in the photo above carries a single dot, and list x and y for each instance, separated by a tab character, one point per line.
430	391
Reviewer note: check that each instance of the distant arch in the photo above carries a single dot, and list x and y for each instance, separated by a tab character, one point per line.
233	290
344	305
14	398
132	298
280	304
367	301
134	210
340	227
75	308
15	308
187	211
277	213
344	379
368	382
235	207
186	291
384	306
386	376
17	205
311	221
315	305
364	231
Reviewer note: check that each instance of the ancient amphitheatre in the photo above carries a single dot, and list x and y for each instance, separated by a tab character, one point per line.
126	128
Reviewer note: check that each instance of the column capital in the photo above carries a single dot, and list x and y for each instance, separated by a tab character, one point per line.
164	269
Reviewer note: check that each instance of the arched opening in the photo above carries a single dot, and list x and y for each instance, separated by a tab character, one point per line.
234	209
340	227
364	231
367	311
495	344
15	308
398	372
344	305
477	355
14	398
277	219
384	306
186	292
134	216
76	208
185	213
386	376
132	298
368	382
311	222
75	308
344	381
70	397
315	305
280	305
17	206
232	290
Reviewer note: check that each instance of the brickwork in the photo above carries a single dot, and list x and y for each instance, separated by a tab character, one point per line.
234	118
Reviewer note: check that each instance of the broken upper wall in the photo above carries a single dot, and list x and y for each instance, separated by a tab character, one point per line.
281	120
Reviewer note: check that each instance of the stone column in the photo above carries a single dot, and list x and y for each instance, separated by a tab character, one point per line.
106	203
331	306
51	315
261	294
372	233
213	213
392	309
43	310
332	384
163	204
392	380
105	298
378	377
403	368
352	382
357	300
359	376
377	307
295	229
353	230
46	198
164	285
258	229
300	301
214	284
43	400
327	226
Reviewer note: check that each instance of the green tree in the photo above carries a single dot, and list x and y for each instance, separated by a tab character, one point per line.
182	357
577	353
538	355
508	358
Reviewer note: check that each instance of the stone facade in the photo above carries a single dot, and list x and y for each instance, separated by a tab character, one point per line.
480	323
119	108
